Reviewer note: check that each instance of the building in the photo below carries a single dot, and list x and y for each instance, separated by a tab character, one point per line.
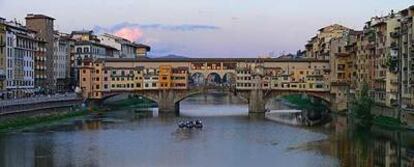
142	50
165	76
84	50
61	61
44	26
342	53
318	47
127	48
20	52
180	77
2	58
406	49
84	36
40	66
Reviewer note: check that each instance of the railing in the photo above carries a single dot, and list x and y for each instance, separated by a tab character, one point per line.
39	99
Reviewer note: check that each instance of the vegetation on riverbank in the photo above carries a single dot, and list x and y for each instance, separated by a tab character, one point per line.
131	102
361	113
361	107
26	121
388	122
304	103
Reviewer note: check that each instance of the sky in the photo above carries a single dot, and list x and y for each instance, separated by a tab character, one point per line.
206	28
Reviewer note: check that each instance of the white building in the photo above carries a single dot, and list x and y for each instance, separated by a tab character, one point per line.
20	50
61	61
151	78
127	48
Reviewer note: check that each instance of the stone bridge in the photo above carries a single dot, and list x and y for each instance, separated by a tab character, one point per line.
169	100
169	81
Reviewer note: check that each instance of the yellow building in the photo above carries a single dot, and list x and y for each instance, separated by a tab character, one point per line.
165	76
318	47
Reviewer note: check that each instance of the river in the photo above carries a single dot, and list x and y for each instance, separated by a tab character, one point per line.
230	137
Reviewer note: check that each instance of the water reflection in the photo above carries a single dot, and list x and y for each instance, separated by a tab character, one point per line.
141	138
366	146
213	104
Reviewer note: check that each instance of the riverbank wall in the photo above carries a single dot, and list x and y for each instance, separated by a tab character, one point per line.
35	108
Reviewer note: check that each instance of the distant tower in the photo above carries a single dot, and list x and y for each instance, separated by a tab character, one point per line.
43	25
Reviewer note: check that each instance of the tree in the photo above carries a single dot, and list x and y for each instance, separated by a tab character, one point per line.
361	106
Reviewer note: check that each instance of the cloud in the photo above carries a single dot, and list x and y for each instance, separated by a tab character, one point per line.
130	33
161	37
165	27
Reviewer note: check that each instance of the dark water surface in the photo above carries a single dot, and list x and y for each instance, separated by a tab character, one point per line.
230	138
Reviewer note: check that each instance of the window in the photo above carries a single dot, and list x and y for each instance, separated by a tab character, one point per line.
84	79
86	50
106	86
97	86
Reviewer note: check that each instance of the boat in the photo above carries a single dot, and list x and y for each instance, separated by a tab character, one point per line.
190	124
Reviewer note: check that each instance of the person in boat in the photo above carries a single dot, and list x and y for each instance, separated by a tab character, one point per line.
181	124
189	124
198	124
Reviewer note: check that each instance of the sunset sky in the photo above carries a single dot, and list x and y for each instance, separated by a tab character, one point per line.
206	28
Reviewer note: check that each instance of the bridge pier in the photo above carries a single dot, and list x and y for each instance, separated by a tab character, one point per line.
166	102
169	108
257	102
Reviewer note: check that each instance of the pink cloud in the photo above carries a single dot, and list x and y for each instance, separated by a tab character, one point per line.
130	33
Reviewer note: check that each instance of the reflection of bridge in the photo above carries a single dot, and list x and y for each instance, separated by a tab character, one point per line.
167	82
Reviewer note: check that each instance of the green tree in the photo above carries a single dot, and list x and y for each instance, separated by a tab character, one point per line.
361	106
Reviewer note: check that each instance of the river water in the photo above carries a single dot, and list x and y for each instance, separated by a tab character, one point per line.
230	138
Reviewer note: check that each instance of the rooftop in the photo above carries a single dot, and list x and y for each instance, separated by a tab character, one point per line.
94	43
38	16
144	59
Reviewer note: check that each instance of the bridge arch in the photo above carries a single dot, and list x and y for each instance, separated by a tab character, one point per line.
197	79
213	79
318	95
229	79
181	97
148	96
